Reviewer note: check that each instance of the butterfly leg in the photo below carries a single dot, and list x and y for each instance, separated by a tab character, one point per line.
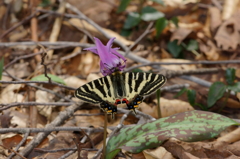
135	103
108	108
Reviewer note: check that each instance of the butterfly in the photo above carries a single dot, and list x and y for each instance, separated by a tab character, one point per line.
119	88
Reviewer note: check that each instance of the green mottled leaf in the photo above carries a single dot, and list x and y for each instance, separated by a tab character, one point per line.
235	87
191	96
132	20
216	91
160	25
175	21
1	67
123	5
149	13
44	78
158	1
188	126
192	45
174	48
230	75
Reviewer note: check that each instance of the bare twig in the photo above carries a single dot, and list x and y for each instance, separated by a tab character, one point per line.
49	129
20	144
185	63
44	89
64	115
67	154
22	57
18	24
38	82
7	106
64	149
148	30
173	87
45	66
14	152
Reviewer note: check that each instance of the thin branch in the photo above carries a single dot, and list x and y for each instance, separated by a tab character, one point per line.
22	57
18	24
63	149
63	115
49	129
67	154
171	73
20	144
45	66
148	30
13	151
185	63
38	82
173	87
44	89
7	106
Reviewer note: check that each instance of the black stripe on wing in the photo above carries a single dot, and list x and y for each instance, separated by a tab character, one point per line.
93	91
153	83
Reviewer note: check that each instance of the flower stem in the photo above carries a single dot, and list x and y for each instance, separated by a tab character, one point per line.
104	136
158	103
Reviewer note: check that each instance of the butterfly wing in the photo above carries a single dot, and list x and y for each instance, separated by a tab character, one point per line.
99	91
140	84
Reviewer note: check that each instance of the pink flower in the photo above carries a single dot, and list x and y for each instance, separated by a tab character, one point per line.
110	60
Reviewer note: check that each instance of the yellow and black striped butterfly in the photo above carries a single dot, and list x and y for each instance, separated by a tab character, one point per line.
118	88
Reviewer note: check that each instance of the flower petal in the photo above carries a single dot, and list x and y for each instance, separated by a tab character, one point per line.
93	49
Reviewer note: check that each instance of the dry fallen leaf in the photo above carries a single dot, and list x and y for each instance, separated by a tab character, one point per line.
215	18
227	36
158	153
210	50
44	97
168	107
74	82
9	96
178	67
180	34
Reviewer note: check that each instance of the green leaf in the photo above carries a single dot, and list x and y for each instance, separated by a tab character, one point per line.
188	126
133	19
160	25
44	78
235	87
158	1
191	96
174	48
149	13
175	21
126	32
45	3
1	67
216	91
137	70
123	5
183	90
230	75
192	45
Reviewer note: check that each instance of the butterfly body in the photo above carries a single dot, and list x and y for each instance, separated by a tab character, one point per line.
120	88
